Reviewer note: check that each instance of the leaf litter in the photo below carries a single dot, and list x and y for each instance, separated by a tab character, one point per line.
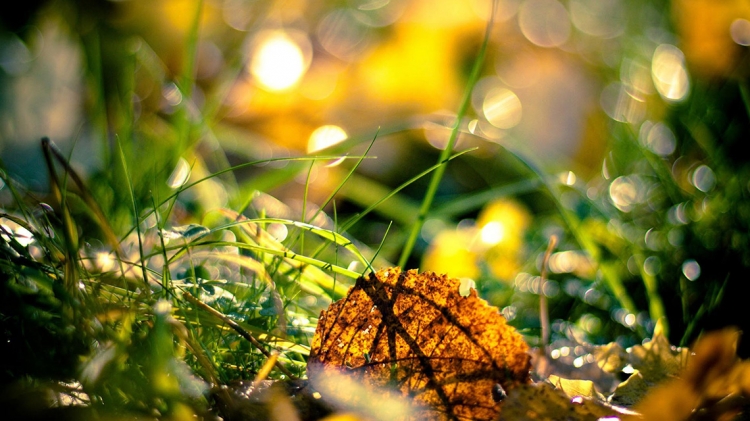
414	346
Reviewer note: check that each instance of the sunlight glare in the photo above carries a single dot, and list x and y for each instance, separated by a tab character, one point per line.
493	233
23	236
324	137
279	62
104	261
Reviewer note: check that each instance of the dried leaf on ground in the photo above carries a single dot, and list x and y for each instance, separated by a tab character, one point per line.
657	359
576	387
541	401
715	384
417	335
652	363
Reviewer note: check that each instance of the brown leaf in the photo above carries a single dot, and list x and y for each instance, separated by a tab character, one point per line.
415	334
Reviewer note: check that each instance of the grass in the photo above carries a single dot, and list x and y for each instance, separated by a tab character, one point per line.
128	293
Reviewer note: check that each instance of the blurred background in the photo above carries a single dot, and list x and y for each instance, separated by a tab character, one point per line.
617	126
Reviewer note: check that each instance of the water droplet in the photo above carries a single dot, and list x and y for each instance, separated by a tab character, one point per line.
509	312
172	94
23	236
568	178
622	103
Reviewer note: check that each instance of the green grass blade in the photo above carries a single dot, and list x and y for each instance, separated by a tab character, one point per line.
137	227
437	176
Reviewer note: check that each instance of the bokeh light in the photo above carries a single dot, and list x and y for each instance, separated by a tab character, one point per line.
626	192
691	269
502	108
324	137
279	61
180	174
599	18
703	178
740	31
658	138
669	73
492	233
544	22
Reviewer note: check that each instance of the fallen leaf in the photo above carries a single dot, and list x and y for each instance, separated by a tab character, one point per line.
415	334
576	387
541	401
657	359
715	384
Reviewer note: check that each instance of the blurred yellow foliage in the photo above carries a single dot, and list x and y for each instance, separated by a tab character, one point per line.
704	29
496	239
503	224
450	253
416	68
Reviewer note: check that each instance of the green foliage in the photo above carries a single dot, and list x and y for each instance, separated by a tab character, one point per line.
179	261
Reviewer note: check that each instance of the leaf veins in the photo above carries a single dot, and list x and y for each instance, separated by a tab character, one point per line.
415	334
